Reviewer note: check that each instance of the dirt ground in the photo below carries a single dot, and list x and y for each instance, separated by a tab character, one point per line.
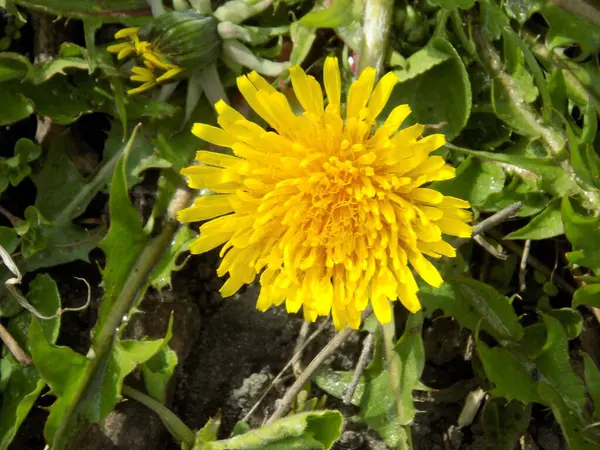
229	353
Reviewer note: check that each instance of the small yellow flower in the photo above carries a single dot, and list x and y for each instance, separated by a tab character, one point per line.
329	211
151	59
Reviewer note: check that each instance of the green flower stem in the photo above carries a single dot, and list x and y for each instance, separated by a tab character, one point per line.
389	342
376	30
179	430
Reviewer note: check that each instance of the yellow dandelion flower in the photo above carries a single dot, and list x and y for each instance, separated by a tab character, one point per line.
330	212
152	60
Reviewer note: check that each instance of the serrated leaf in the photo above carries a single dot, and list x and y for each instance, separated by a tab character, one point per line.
62	195
440	94
24	385
475	181
474	304
570	423
545	225
158	371
504	422
378	404
555	368
141	149
309	430
511	375
65	370
578	229
43	71
125	238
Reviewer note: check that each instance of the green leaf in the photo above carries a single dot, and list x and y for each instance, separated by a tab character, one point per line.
453	4
420	62
142	150
24	385
158	371
64	370
545	225
440	94
62	195
18	398
554	180
570	319
554	365
579	228
309	430
493	19
511	375
510	113
303	38
42	72
15	106
16	168
587	295
474	304
377	404
570	423
334	382
85	8
567	29
65	101
518	190
475	181
504	422
591	375
125	239
337	15
521	10
13	66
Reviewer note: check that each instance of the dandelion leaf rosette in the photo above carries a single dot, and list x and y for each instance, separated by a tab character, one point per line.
327	208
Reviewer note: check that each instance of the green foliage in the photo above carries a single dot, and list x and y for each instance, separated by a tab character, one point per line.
375	391
436	86
504	422
520	110
545	225
304	431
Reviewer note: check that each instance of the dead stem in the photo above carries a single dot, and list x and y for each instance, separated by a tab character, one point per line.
286	402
